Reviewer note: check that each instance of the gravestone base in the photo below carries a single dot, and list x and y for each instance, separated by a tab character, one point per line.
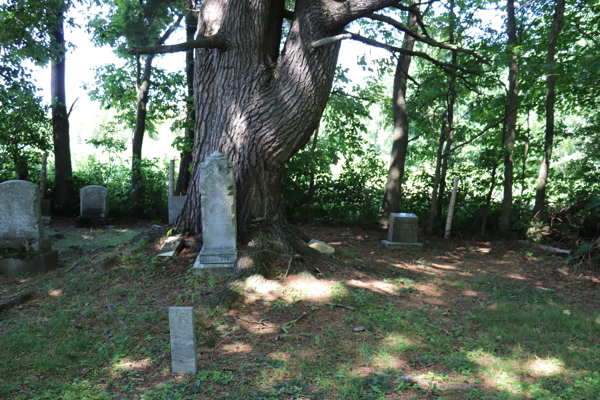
175	205
17	263
402	246
220	269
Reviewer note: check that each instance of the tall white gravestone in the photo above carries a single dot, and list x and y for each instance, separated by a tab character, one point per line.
23	247
219	224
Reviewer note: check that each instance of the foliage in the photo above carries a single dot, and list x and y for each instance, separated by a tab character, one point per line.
354	195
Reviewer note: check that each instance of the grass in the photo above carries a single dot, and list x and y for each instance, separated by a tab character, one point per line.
94	333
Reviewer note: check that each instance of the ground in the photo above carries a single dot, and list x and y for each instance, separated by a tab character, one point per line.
464	319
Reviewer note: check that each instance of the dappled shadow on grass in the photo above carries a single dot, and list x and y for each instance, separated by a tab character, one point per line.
464	326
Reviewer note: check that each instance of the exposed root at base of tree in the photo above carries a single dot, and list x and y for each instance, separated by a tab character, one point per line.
257	261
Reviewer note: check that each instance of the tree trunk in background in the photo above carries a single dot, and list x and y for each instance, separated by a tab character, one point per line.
63	190
143	87
540	190
524	167
183	180
488	198
393	188
311	183
436	179
511	124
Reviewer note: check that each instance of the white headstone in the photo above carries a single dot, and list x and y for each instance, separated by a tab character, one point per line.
183	340
94	201
219	225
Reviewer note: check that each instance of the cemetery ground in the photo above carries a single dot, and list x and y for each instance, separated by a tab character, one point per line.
464	319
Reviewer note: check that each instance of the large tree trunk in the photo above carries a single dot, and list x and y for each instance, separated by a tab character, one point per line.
63	191
511	124
259	107
540	190
183	181
393	188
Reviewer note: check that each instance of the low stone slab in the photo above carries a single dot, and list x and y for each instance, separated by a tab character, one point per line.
175	206
321	247
183	340
171	247
28	263
403	228
402	246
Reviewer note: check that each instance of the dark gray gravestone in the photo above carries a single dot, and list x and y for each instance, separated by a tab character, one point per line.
183	340
402	232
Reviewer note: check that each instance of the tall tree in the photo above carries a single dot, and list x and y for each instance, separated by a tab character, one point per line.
63	191
393	187
540	190
137	23
511	125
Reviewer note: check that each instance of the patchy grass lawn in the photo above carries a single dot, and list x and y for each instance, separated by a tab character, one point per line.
461	320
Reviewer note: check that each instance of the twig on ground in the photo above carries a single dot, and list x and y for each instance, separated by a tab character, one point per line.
16	300
437	385
114	313
252	322
288	324
342	306
437	327
20	390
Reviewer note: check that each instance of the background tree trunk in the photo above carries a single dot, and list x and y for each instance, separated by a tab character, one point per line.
511	124
143	87
183	180
393	188
540	190
436	179
63	191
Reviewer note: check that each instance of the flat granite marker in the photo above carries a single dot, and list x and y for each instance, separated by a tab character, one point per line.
183	340
23	247
219	225
402	232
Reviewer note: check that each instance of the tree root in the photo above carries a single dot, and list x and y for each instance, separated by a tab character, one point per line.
256	261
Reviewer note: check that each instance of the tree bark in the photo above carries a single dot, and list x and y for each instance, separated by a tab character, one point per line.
488	198
183	179
63	190
259	107
143	87
436	179
511	124
540	190
393	188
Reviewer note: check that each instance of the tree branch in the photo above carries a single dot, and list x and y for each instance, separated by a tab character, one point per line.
495	124
212	42
328	40
444	66
400	26
169	31
71	109
341	14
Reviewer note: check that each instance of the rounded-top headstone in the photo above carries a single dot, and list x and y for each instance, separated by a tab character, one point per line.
20	210
94	201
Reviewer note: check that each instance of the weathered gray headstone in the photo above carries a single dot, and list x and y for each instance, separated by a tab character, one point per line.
94	201
183	340
46	209
23	247
402	232
175	206
219	226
